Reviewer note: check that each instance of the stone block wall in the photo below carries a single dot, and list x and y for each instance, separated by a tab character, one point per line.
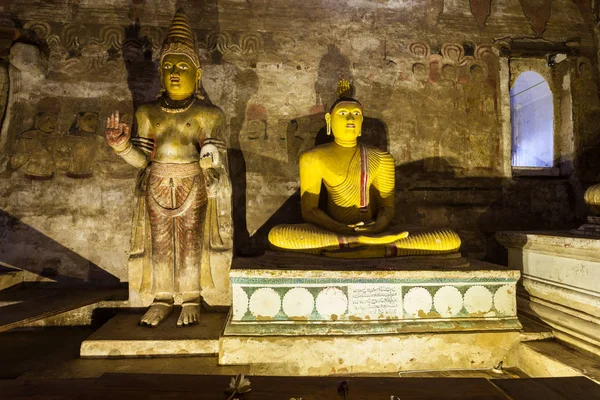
433	77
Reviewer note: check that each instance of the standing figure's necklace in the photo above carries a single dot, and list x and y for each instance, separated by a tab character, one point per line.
171	106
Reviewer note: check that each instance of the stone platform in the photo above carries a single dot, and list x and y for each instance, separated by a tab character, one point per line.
313	316
561	282
121	336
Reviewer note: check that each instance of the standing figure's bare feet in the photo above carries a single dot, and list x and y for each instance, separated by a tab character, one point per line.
158	311
190	314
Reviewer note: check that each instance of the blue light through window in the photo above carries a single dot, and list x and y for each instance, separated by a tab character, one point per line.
532	121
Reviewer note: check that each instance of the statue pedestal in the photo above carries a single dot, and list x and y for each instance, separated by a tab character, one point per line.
306	315
561	275
121	336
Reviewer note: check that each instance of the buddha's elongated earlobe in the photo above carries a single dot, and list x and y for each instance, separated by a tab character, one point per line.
328	121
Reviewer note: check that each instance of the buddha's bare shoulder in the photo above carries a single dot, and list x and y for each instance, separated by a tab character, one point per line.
317	151
380	154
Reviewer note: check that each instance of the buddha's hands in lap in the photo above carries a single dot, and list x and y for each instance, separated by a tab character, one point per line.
370	233
117	133
369	227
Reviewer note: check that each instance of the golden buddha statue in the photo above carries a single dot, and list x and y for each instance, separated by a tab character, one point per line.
177	148
360	185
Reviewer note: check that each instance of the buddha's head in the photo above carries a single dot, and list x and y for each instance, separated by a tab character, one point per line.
87	121
179	63
45	122
345	120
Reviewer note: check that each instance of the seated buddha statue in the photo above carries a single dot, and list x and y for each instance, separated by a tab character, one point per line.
360	183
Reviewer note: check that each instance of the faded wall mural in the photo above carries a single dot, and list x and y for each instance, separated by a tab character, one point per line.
431	76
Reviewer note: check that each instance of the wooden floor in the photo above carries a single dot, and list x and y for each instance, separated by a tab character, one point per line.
204	387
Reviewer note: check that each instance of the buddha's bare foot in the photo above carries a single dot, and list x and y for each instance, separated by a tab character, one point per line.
190	314
382	239
158	311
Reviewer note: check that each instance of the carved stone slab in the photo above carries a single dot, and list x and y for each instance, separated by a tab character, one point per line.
303	299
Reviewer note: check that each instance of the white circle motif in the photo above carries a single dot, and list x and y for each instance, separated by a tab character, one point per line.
448	301
505	300
240	303
417	302
298	302
478	299
332	303
265	302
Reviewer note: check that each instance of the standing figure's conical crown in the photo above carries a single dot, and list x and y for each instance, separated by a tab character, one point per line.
180	39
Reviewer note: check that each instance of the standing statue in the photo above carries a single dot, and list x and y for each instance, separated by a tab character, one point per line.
177	147
360	185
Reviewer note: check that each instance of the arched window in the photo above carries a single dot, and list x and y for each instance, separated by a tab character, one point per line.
532	121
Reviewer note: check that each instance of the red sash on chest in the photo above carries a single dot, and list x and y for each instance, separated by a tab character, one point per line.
364	179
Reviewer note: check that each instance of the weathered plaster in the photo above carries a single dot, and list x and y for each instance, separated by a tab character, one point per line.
274	77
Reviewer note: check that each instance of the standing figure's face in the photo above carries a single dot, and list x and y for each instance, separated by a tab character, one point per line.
346	120
477	73
46	122
179	76
87	122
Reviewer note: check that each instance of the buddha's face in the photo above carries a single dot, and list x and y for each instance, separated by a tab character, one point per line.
179	76
87	122
346	120
46	122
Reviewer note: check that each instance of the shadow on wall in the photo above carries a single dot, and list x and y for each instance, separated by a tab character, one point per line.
142	72
24	247
246	84
431	193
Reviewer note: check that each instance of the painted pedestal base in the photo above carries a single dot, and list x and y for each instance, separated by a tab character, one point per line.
561	282
310	316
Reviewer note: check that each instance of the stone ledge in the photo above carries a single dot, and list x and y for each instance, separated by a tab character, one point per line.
370	328
326	355
571	329
123	337
563	243
552	359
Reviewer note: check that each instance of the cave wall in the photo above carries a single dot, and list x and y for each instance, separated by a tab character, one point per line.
433	77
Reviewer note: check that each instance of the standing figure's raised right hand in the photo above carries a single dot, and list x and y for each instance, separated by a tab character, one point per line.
117	133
